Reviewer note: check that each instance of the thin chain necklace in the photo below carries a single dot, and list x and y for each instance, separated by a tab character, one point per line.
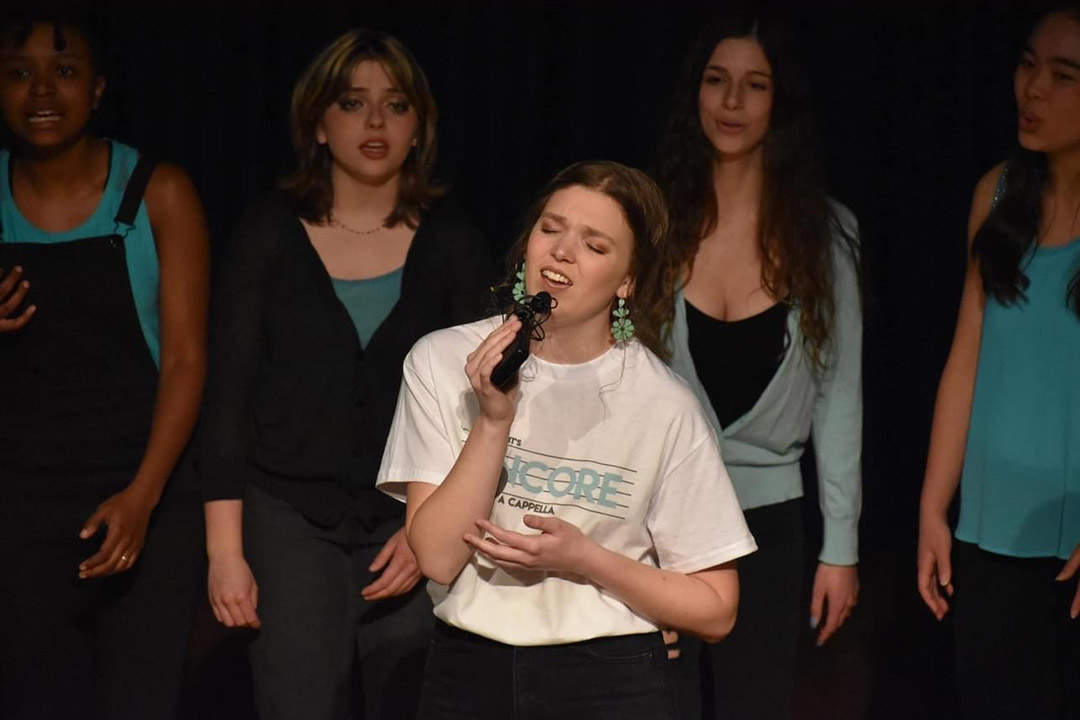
334	222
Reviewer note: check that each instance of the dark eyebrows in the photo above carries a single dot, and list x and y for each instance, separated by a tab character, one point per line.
1056	59
1067	62
721	68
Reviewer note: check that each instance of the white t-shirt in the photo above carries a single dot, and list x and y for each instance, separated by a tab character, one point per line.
617	446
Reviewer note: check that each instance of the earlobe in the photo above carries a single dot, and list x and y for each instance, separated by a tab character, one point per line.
99	90
320	135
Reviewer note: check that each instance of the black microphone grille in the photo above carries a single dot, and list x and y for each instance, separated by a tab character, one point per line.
541	302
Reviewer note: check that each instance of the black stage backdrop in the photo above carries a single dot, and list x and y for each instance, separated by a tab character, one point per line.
913	103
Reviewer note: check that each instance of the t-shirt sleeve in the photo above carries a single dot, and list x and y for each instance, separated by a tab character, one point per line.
419	448
694	519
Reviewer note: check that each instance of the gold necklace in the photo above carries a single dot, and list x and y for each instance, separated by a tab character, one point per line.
337	223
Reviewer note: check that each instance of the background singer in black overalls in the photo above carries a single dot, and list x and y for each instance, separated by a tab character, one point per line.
102	311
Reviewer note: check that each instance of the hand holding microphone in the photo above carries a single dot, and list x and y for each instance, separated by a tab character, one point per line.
533	311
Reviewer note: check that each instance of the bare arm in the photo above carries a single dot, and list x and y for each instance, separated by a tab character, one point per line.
952	411
181	237
184	254
702	603
438	517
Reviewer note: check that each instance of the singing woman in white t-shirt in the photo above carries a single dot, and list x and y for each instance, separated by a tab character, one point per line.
563	521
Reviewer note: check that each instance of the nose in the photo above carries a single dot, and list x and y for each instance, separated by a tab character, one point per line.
733	96
563	248
43	83
1035	83
375	116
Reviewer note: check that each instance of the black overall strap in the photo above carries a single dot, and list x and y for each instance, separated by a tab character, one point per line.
133	193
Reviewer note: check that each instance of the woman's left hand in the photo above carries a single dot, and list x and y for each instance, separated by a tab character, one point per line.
560	546
127	514
836	588
1072	565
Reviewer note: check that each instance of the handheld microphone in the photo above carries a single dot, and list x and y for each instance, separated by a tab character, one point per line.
534	310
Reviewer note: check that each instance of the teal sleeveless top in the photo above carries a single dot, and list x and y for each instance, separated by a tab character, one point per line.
1020	487
141	252
369	301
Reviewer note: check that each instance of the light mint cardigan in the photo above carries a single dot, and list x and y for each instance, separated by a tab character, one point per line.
762	448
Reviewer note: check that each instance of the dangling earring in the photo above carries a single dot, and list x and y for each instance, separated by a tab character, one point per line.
622	328
519	286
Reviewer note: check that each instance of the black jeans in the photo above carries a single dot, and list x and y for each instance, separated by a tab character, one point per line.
1017	651
315	623
750	675
619	678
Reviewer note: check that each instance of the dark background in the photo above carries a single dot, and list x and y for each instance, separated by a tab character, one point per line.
913	103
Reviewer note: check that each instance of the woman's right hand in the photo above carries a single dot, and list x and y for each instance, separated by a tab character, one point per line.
234	594
13	290
495	405
935	565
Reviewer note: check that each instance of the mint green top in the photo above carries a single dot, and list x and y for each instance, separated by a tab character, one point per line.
139	247
1020	487
761	449
369	301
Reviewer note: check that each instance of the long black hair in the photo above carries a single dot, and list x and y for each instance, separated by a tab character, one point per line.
1012	227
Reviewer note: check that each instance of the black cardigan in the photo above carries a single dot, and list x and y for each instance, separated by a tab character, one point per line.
293	403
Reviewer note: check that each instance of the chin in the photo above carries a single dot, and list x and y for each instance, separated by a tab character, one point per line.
1037	143
47	140
728	148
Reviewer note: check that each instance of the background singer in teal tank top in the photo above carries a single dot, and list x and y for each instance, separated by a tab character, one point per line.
1007	416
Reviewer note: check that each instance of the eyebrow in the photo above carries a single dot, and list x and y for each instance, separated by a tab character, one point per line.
17	55
1056	59
1067	62
590	231
389	89
748	72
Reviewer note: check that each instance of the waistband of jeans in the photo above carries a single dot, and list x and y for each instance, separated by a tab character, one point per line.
645	640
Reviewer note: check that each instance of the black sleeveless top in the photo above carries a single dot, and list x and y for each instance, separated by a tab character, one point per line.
735	361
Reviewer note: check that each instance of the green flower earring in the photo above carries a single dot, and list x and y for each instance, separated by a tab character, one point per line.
519	286
622	328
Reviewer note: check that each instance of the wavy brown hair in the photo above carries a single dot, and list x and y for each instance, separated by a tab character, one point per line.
325	80
797	224
652	303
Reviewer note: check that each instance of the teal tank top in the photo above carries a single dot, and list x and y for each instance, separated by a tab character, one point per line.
141	252
369	301
1020	487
